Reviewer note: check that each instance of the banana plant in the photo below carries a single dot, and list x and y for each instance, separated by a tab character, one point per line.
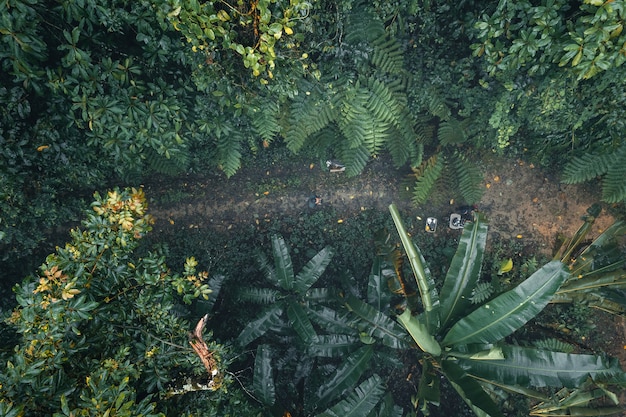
467	344
287	295
598	270
316	333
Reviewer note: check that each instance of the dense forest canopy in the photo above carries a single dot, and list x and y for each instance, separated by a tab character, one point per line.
96	94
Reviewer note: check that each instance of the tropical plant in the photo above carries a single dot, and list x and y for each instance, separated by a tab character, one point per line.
323	334
470	350
100	330
597	269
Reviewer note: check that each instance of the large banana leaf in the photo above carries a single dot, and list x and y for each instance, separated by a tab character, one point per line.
425	283
470	390
282	263
464	271
258	295
300	322
312	271
346	376
260	325
360	402
570	245
263	381
419	333
333	345
541	368
378	294
377	324
333	321
508	312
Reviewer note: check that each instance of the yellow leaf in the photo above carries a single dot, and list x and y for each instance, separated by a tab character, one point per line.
577	58
42	148
288	30
505	266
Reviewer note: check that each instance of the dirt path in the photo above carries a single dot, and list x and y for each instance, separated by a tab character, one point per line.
521	202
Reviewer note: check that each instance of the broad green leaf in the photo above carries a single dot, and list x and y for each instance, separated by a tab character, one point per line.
508	312
333	321
262	324
464	271
333	345
300	322
377	293
282	261
470	390
543	368
378	324
359	402
419	333
346	376
428	390
258	295
263	381
312	270
425	283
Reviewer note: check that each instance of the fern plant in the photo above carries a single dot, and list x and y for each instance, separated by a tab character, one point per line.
609	164
362	110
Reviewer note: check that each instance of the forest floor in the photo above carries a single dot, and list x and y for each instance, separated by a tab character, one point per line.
521	202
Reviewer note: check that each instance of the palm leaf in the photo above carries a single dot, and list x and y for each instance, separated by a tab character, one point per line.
360	402
263	381
543	368
312	271
506	313
300	322
282	262
377	324
346	376
262	324
215	284
464	271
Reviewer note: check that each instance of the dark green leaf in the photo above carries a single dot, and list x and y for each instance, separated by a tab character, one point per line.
360	402
470	390
464	271
506	313
262	324
263	381
378	324
346	376
312	270
282	261
541	368
300	322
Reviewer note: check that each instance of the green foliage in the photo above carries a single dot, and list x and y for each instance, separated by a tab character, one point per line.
591	41
609	164
97	333
470	346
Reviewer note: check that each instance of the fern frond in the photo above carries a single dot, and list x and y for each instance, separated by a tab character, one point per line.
469	178
354	159
388	55
308	114
451	131
611	164
171	162
427	174
229	151
438	107
381	102
402	149
614	182
554	345
264	116
481	292
363	26
587	167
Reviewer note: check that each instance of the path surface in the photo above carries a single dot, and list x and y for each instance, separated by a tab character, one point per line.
520	201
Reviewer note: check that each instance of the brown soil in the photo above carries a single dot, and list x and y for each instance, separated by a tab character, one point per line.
521	201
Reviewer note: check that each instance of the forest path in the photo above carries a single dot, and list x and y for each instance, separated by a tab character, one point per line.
521	202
